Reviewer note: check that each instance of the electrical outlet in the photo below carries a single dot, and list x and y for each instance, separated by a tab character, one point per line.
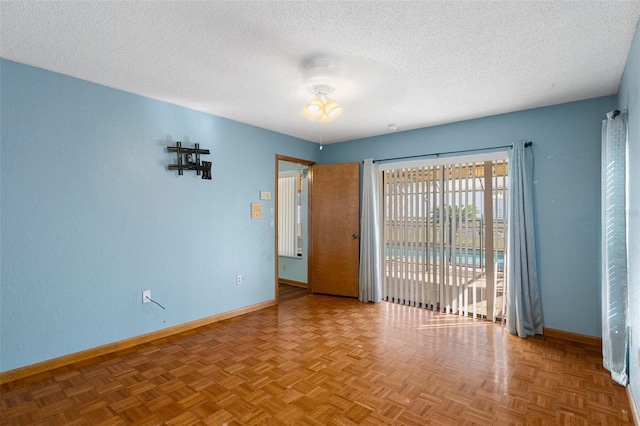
146	296
238	279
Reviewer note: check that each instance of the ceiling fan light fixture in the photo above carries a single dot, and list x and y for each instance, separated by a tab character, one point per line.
314	109
331	110
321	107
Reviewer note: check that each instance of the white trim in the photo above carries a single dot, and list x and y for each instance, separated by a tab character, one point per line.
439	161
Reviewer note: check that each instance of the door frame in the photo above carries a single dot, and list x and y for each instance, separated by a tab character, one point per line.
310	164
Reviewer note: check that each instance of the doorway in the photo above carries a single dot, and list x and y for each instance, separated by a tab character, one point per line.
292	225
445	225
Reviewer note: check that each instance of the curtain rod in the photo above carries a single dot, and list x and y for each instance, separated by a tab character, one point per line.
437	154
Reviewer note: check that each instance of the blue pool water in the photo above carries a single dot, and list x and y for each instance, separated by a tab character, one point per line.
462	257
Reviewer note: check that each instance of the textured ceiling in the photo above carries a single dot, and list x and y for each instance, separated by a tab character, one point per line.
413	64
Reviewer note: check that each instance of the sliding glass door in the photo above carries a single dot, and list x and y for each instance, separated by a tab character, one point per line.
445	236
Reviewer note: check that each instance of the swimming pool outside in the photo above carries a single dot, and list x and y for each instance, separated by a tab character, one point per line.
463	256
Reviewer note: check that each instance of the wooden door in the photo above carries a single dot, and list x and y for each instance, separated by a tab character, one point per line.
335	229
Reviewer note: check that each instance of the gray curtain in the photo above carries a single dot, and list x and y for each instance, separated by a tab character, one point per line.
614	248
524	310
370	261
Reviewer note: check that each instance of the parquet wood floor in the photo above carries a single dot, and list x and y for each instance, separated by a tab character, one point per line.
318	360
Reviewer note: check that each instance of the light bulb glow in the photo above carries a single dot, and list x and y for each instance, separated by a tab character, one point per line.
332	110
313	109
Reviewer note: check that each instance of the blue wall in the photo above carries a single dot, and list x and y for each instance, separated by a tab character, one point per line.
91	216
629	99
566	146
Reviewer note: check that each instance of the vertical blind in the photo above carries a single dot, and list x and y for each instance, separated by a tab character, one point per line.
445	236
287	216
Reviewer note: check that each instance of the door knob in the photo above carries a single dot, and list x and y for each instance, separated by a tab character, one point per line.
354	236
